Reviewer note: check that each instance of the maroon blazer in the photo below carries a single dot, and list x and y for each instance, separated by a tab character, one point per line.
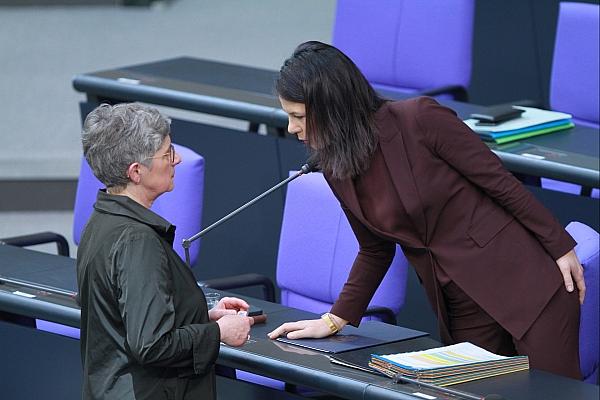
472	218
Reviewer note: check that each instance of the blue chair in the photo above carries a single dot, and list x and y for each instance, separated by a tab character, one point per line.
587	249
421	47
574	83
316	251
189	189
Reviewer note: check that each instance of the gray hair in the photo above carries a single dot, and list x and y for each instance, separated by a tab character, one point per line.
114	137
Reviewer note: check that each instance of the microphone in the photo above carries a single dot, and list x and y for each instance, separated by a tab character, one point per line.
453	392
186	243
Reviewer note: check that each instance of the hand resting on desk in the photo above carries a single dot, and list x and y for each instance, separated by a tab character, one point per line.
312	328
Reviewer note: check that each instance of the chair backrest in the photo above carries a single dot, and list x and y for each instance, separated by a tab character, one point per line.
182	207
317	248
587	249
407	45
574	84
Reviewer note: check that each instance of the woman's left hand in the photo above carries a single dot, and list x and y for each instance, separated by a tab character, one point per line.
312	328
227	306
571	270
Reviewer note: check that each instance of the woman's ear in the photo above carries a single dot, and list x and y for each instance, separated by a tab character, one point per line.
134	173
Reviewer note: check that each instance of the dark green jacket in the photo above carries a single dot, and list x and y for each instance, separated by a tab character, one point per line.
145	332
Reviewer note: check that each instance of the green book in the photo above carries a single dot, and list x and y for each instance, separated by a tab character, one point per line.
512	138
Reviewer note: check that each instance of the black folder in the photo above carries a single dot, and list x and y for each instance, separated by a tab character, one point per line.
368	334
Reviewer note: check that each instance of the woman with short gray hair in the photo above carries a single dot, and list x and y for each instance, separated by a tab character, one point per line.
146	331
116	136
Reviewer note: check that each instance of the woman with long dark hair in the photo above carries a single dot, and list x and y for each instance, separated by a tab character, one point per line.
499	270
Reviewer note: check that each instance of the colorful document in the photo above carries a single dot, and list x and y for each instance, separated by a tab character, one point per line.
533	122
448	365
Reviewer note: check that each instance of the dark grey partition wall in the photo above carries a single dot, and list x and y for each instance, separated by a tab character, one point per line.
568	207
513	44
38	365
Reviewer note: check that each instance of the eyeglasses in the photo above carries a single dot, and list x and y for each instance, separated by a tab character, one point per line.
170	153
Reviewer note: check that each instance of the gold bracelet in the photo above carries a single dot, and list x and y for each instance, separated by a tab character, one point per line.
330	323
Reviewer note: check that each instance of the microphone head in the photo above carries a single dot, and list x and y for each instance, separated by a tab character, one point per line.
308	168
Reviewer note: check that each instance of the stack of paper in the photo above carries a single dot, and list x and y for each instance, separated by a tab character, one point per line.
448	365
532	122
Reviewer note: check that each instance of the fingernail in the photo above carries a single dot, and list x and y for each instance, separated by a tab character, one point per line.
570	288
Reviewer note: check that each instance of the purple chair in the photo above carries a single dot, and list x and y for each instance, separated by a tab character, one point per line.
316	250
187	195
421	47
188	191
574	83
587	250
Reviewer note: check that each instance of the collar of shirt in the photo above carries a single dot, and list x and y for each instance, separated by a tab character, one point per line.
124	206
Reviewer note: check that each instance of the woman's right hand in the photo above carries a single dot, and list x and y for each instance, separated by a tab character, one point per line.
235	329
312	328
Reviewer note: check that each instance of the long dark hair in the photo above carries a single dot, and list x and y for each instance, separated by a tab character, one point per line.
340	107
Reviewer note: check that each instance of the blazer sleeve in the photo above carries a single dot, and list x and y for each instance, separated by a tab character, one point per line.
374	258
451	140
145	301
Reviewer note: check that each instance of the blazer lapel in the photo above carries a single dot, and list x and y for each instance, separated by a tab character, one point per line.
394	152
347	193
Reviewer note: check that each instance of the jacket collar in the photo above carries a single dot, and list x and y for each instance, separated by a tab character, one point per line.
127	207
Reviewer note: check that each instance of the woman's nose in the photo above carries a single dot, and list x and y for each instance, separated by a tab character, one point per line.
178	159
292	128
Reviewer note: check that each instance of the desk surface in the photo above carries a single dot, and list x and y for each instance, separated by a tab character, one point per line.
272	358
247	93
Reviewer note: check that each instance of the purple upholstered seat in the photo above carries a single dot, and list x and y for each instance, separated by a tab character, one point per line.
407	46
182	207
317	248
587	250
574	84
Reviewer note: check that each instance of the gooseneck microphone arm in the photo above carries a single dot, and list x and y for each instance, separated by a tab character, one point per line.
186	243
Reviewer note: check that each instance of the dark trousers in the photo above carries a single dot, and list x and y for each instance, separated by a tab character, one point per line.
552	342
